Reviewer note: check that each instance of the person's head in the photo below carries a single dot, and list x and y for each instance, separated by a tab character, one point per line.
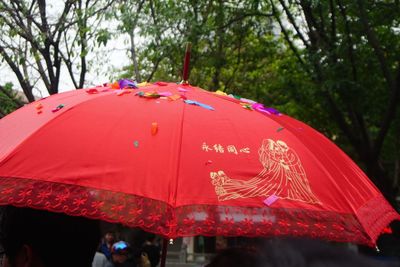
35	238
235	257
150	237
120	252
109	237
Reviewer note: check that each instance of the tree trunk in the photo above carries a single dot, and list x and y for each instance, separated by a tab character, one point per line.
134	56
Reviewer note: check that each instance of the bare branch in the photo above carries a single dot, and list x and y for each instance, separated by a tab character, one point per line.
44	27
24	33
287	37
293	23
60	26
348	40
155	67
358	122
102	9
82	24
333	29
19	20
26	87
153	13
238	59
389	116
133	56
317	35
68	62
340	119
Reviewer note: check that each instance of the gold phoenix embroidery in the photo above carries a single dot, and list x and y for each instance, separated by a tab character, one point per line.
283	176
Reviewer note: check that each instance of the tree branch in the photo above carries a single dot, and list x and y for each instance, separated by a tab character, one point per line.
24	33
287	38
388	117
315	30
333	30
357	121
132	40
348	40
26	87
82	25
227	83
68	61
337	113
373	40
343	125
243	16
293	23
59	28
44	27
155	67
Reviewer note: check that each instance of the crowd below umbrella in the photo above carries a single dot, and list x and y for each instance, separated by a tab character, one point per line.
36	238
119	253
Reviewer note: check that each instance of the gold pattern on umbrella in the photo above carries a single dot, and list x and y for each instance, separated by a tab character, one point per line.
283	176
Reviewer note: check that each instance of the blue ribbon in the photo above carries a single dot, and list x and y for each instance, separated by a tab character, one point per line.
192	102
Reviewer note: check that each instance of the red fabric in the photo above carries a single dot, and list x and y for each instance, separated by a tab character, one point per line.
201	172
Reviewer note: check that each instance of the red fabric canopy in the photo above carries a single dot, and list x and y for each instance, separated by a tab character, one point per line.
177	160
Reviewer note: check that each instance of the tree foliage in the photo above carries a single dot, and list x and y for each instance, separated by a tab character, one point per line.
350	51
9	99
333	64
40	38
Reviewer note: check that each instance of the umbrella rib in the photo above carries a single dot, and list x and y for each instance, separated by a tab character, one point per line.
179	152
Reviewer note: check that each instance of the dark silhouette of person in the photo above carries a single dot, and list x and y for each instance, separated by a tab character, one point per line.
294	253
234	257
108	241
152	250
36	238
122	255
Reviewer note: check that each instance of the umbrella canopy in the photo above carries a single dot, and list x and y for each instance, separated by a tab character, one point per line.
177	160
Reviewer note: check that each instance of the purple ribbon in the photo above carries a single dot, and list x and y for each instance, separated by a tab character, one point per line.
261	108
127	83
270	200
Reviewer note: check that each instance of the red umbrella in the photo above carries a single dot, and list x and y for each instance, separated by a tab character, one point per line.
177	160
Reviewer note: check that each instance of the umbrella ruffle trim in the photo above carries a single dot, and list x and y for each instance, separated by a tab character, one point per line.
375	215
160	218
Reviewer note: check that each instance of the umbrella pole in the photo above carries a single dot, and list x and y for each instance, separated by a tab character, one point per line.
164	252
186	64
